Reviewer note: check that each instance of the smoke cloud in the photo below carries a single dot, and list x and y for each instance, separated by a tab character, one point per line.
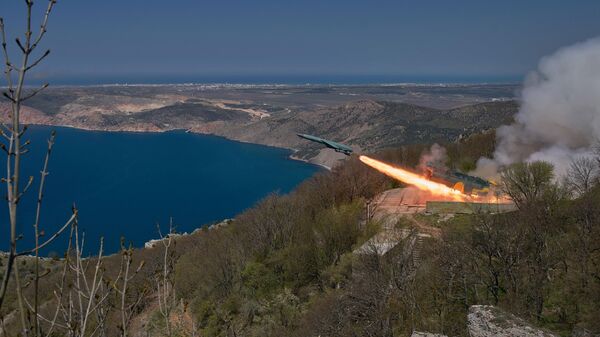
559	118
436	156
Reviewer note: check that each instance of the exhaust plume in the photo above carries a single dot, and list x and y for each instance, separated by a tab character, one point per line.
559	118
414	179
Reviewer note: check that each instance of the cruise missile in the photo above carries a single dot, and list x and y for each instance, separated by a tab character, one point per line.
328	143
456	180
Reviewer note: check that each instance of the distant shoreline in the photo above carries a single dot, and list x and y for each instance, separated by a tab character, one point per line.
251	85
291	156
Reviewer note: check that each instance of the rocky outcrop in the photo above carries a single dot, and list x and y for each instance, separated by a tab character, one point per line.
490	321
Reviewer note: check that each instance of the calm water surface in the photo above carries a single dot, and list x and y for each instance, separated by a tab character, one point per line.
124	184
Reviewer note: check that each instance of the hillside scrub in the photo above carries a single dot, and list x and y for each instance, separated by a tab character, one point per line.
286	266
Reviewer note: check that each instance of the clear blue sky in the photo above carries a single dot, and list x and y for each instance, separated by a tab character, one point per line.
436	38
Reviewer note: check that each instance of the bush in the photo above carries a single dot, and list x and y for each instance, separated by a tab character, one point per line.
259	281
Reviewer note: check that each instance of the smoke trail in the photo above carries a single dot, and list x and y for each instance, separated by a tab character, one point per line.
559	119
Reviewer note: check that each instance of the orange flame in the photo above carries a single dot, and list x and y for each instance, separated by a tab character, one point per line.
414	179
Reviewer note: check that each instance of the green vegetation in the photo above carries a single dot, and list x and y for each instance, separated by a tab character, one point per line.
261	272
286	266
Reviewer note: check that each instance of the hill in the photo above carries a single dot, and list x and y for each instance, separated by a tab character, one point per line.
372	125
289	266
363	117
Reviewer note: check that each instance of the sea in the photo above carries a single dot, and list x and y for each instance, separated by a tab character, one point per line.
289	79
126	185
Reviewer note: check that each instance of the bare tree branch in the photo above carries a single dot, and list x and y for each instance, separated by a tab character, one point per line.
14	149
35	92
36	62
69	223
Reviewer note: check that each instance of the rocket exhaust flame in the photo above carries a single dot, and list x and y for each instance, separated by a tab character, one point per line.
435	190
414	179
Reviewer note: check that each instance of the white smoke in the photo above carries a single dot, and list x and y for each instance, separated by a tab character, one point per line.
559	118
435	158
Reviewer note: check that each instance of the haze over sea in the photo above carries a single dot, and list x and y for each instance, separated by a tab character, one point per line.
367	79
124	183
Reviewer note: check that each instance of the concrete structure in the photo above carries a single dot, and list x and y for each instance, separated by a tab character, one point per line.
386	240
388	208
456	207
400	205
393	202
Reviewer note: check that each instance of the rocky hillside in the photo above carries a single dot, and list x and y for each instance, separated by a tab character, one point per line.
369	125
273	118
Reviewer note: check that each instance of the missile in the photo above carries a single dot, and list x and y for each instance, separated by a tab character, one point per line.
328	143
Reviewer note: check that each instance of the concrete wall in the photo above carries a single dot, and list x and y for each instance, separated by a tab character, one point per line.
444	207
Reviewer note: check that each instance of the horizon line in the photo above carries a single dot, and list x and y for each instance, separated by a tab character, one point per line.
271	79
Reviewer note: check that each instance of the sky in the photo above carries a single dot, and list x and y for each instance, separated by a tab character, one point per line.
129	40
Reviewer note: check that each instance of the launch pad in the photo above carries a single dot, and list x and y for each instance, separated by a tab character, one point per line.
391	207
409	201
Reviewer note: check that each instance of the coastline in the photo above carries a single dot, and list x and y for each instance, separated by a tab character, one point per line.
292	155
284	154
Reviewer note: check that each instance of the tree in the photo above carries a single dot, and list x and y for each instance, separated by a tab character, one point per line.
15	147
80	304
583	174
526	183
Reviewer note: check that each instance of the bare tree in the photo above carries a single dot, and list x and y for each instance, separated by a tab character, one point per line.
81	303
87	294
127	303
15	148
82	300
80	306
583	174
164	279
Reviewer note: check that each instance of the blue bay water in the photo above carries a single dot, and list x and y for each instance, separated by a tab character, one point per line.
124	184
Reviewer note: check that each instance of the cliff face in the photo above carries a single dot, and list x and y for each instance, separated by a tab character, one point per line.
270	117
